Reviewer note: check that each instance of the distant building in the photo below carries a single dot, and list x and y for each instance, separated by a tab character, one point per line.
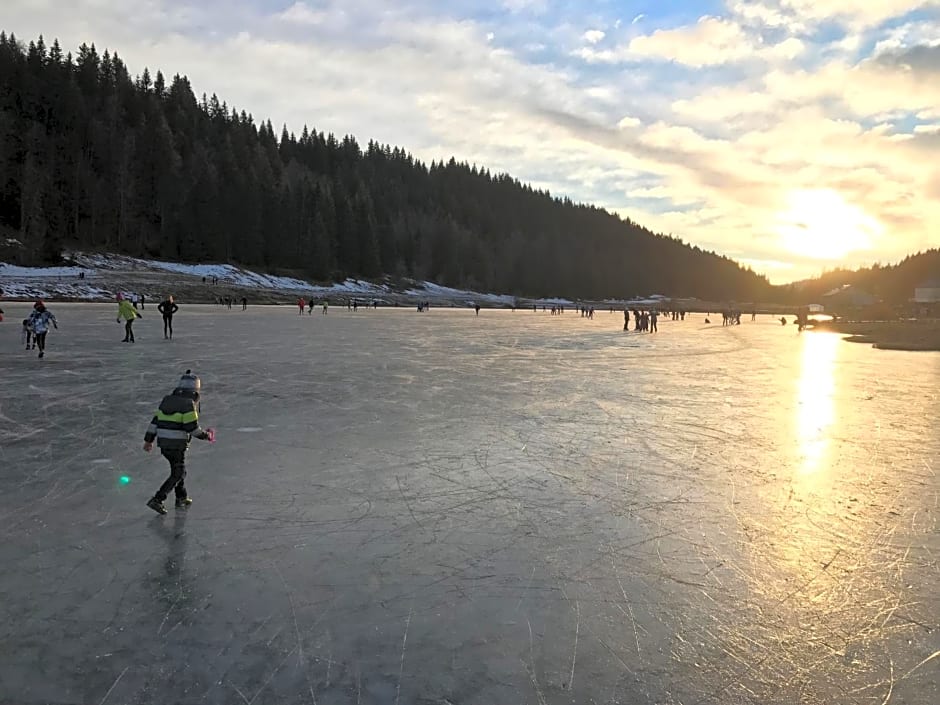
848	296
928	292
816	308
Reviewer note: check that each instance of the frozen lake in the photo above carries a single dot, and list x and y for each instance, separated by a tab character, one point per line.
444	508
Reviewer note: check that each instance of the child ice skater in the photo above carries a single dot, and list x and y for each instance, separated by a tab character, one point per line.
39	321
28	333
173	426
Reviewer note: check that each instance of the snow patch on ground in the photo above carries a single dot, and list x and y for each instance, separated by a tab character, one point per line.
105	275
233	275
12	270
64	282
228	274
19	289
224	272
352	286
437	291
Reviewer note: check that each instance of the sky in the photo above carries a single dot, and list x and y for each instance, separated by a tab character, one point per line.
791	135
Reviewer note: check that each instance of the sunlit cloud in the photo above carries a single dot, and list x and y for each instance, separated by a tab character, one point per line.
712	40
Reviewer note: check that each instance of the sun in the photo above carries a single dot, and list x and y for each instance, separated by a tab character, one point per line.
820	224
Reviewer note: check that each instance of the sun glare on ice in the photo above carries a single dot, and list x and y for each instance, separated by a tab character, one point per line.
815	409
820	224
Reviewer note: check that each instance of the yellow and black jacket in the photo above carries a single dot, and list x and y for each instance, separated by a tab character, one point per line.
175	422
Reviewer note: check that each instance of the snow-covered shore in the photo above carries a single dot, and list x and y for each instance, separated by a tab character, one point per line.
96	277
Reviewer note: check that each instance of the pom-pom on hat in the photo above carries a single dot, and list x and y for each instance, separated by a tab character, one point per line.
190	382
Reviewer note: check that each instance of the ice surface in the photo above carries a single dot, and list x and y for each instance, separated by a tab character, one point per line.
445	508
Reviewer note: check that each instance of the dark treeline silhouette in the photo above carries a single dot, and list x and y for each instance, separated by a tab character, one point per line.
892	283
93	158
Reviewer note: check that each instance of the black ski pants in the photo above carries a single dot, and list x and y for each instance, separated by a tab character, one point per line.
177	460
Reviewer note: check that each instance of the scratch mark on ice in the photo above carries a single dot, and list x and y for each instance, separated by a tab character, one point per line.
401	666
114	685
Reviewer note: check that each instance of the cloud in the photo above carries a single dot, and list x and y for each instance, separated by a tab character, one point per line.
806	16
871	88
725	103
923	60
857	15
301	13
767	14
534	6
711	41
593	36
628	122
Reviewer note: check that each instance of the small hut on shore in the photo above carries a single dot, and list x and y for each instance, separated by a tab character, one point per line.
927	298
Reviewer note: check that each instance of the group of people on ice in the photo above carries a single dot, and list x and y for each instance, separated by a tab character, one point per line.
303	304
128	313
351	304
227	301
36	326
645	321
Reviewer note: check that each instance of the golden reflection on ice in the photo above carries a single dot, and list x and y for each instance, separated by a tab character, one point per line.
815	405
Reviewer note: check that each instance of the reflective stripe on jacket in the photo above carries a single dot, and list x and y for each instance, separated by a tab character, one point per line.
175	422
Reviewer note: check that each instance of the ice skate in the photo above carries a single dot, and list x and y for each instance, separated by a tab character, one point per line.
156	505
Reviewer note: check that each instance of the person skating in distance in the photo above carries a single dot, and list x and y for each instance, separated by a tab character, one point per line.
128	313
168	307
173	426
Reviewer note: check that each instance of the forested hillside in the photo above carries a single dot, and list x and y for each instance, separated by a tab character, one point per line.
891	283
93	158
